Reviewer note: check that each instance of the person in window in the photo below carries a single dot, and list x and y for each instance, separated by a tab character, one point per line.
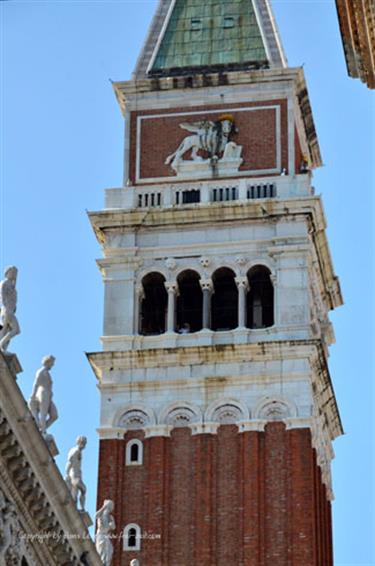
185	328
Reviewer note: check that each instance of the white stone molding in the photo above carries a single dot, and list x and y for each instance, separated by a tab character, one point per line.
134	417
298	422
180	414
267	262
108	433
155	268
257	425
171	263
204	428
128	450
138	537
226	411
274	409
139	289
157	430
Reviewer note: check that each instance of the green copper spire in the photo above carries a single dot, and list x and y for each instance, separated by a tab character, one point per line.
210	33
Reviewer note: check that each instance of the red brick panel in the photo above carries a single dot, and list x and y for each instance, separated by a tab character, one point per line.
228	496
276	545
181	498
132	492
155	491
302	517
252	490
204	446
160	137
249	499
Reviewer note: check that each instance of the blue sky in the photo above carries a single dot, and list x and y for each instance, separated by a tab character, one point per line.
62	144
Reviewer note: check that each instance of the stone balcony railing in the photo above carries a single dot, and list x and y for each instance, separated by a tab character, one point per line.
206	338
205	192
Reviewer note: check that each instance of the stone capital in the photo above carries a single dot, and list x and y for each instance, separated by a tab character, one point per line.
204	428
206	284
298	422
171	287
242	282
157	430
257	425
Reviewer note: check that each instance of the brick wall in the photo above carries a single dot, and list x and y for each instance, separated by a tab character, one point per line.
249	499
161	136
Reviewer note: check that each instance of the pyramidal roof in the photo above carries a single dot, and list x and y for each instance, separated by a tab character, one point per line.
208	35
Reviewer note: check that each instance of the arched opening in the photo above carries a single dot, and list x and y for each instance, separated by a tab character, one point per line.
134	450
154	304
260	298
189	302
224	300
132	537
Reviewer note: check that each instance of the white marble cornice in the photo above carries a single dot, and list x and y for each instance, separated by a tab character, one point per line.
43	498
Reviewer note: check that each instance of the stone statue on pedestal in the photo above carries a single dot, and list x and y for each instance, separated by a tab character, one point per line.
73	471
105	524
9	326
41	405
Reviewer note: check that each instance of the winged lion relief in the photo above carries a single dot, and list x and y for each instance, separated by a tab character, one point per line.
212	138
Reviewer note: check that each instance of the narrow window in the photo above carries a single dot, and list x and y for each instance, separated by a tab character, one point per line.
134	453
196	24
132	537
228	22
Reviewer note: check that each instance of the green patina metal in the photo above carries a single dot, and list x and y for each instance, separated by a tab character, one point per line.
204	33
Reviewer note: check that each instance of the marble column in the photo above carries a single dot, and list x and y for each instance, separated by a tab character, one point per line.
207	288
273	277
139	296
243	287
172	289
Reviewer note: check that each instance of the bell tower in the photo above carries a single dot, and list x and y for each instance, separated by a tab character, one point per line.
217	408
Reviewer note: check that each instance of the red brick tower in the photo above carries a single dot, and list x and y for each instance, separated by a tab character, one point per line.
217	408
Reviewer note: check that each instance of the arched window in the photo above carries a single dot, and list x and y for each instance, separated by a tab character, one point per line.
154	304
132	537
224	300
260	298
189	302
134	453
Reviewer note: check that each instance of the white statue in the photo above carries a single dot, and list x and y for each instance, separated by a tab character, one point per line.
209	136
105	524
73	471
134	562
9	326
41	405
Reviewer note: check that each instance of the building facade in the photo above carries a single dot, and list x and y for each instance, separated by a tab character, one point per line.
217	407
39	521
357	27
